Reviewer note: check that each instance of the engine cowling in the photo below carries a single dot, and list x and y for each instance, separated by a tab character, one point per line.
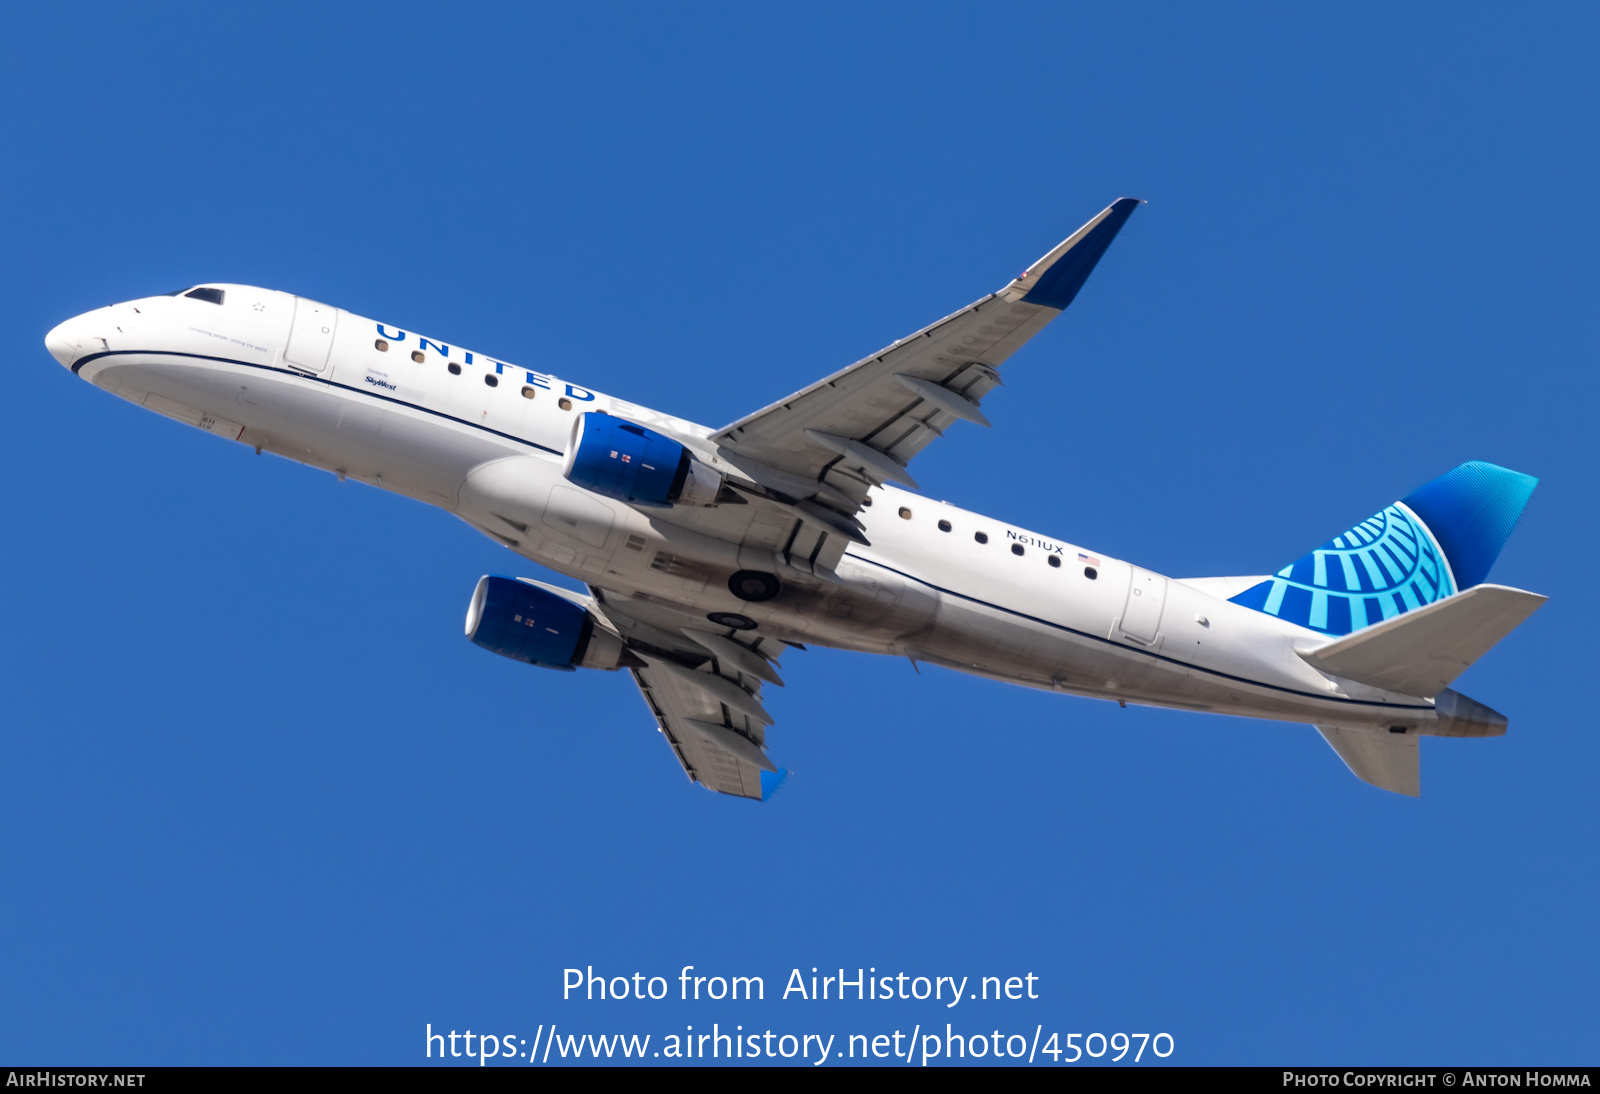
537	627
630	463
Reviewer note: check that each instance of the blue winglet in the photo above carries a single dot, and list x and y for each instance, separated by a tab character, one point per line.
771	781
1059	282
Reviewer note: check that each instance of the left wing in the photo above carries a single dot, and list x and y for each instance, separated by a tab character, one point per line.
861	426
704	688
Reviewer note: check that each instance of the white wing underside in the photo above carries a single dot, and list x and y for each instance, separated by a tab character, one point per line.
704	691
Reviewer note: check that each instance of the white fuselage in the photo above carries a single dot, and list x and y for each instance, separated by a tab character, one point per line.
421	418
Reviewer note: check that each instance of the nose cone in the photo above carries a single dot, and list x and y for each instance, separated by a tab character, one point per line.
66	341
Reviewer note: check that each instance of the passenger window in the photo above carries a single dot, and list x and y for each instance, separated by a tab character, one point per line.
866	503
491	379
416	355
1055	561
381	346
529	391
1016	548
455	369
1090	572
944	526
565	404
905	514
210	296
981	537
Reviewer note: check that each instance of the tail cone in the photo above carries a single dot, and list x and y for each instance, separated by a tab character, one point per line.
1463	717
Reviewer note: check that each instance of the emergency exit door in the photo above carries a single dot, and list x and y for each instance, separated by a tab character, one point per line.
311	335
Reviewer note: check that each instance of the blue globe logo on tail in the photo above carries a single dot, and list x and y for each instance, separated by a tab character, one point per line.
1438	541
1386	565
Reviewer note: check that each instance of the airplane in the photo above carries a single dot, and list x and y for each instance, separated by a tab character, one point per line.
706	553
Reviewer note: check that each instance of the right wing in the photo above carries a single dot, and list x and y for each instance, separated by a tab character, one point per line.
704	687
805	464
862	425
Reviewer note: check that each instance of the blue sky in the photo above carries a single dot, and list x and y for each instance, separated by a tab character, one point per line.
264	803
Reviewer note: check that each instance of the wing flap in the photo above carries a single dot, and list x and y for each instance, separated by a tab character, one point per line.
734	744
717	747
704	690
1422	651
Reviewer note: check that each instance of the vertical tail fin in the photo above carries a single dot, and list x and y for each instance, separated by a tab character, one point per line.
1437	541
1471	512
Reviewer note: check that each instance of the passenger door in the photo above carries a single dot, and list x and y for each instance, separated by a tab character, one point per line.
310	335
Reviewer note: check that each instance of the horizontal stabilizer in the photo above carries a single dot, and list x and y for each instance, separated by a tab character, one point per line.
1387	760
1420	652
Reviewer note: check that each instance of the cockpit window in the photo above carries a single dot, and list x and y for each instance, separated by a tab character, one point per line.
210	296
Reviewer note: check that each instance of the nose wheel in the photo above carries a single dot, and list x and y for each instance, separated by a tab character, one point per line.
754	586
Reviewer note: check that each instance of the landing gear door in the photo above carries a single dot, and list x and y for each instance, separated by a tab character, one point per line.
310	335
1147	595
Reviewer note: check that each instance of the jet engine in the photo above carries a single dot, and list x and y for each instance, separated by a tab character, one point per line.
535	626
630	463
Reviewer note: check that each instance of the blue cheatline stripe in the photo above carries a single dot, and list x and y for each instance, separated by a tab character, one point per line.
1143	653
80	362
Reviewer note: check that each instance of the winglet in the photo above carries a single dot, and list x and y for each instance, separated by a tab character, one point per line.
771	781
1055	279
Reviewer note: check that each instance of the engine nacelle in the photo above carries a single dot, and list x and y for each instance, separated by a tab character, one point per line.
630	463
537	627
